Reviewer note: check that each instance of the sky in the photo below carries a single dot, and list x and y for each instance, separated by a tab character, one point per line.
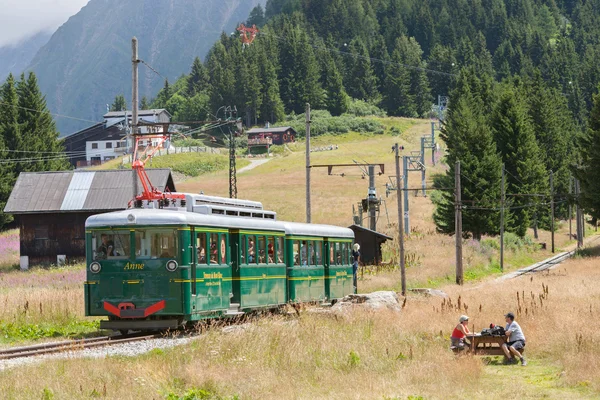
21	19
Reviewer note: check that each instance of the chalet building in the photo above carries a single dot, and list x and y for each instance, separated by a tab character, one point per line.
51	208
279	135
370	244
108	140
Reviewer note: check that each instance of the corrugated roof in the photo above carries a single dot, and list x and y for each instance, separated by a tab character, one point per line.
278	129
68	191
77	191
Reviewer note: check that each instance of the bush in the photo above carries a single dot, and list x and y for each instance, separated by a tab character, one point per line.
324	123
360	108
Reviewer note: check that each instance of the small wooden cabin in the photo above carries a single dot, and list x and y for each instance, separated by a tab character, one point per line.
370	244
278	135
51	208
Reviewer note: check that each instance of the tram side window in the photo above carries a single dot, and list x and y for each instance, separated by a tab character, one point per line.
262	252
345	253
304	253
338	254
201	247
251	249
223	249
312	248
156	243
297	253
242	247
318	252
280	250
214	249
270	250
113	245
331	253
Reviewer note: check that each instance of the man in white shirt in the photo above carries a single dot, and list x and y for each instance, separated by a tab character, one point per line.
516	340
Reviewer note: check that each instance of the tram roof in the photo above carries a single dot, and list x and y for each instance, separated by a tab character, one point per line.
154	217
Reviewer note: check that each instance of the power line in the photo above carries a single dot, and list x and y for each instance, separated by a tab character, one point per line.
48	112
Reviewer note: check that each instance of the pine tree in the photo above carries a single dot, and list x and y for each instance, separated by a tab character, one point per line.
272	106
588	172
9	115
198	78
361	80
337	100
10	139
38	130
516	143
470	141
300	77
554	130
119	104
256	17
144	103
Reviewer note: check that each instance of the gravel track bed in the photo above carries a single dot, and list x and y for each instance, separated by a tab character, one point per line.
124	349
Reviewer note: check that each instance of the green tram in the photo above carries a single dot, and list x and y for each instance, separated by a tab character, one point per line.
159	268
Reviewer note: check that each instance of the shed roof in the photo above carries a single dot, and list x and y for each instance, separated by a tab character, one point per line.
278	129
356	228
73	191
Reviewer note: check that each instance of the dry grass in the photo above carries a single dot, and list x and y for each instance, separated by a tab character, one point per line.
42	303
364	355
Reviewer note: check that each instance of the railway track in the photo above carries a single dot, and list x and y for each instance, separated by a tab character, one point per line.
548	263
71	345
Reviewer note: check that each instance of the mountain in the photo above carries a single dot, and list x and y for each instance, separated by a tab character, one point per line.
88	59
16	57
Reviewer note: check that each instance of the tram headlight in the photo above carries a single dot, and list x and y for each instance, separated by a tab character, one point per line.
95	267
171	265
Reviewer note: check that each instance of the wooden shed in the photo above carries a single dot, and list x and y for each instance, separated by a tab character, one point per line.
370	244
51	209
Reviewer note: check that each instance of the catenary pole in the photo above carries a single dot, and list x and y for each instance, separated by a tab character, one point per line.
502	204
134	107
400	223
458	225
552	208
308	205
570	209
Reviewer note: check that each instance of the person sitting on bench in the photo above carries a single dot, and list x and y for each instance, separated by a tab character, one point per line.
457	340
516	340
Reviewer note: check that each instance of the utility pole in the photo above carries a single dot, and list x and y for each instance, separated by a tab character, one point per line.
406	200
232	167
458	225
570	208
400	228
502	204
552	208
372	197
308	211
578	216
134	108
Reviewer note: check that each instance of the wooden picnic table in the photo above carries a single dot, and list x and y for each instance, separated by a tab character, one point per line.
486	345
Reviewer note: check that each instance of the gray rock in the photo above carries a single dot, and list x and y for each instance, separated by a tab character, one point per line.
371	301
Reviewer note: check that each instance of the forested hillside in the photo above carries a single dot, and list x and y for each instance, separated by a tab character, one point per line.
400	54
88	59
521	76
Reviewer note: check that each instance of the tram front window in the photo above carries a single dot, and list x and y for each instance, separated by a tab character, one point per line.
156	243
110	245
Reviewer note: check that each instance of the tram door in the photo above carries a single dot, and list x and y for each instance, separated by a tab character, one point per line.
193	262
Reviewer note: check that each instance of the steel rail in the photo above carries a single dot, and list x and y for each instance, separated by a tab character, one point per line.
70	345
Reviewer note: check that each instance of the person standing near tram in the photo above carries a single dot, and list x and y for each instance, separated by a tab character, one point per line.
355	261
